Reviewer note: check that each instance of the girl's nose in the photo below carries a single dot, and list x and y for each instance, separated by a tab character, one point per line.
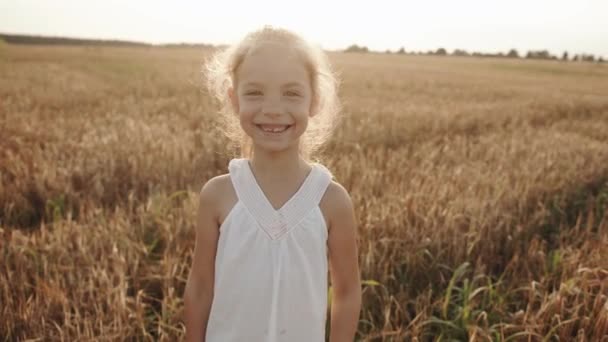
272	108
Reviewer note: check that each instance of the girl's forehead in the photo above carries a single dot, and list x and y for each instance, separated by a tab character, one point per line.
271	48
273	61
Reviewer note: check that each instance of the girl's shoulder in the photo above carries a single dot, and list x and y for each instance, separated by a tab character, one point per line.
216	185
217	196
336	203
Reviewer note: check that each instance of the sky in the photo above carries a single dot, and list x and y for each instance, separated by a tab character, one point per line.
576	26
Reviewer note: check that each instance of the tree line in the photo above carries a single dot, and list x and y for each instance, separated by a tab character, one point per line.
513	53
45	40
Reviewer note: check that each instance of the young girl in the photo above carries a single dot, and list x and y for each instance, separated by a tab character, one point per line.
266	229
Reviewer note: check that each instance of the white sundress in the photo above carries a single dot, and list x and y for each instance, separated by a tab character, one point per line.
271	271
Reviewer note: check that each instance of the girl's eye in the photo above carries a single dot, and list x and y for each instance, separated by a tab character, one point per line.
292	94
253	93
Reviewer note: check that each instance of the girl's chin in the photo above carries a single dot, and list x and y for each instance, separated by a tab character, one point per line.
275	146
271	147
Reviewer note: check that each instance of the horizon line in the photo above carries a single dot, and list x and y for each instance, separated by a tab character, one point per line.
342	49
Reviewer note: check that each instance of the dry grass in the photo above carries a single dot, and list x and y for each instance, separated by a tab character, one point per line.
481	188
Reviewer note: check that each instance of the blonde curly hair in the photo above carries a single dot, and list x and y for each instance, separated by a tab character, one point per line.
220	71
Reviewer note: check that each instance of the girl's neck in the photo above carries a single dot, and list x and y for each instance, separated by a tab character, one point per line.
278	165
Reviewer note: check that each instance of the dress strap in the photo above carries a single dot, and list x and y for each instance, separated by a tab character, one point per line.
247	192
310	196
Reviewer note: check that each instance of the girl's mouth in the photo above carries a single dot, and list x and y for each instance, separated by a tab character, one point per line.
273	129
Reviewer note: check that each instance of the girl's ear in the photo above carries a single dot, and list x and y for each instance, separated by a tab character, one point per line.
234	100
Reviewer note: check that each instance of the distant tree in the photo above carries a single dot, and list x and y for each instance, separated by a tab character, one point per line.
540	54
576	58
588	58
357	48
600	60
459	52
401	51
441	52
388	51
565	56
513	54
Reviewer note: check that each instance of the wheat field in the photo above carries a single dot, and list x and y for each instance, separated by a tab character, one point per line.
480	187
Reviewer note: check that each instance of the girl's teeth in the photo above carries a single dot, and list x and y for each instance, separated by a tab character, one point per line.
274	129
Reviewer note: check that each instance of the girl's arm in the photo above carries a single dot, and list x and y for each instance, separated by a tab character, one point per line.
198	294
344	266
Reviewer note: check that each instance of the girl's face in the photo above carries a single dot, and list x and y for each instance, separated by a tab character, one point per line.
273	97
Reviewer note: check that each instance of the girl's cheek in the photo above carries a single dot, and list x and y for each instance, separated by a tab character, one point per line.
249	107
299	105
304	109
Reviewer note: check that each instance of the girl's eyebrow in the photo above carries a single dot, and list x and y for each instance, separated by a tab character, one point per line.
286	85
252	84
293	84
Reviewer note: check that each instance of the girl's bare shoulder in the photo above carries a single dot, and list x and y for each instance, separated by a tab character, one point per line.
336	203
217	197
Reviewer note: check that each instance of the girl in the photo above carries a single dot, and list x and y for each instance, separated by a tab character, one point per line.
266	229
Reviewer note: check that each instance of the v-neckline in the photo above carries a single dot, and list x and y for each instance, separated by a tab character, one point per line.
264	197
277	223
